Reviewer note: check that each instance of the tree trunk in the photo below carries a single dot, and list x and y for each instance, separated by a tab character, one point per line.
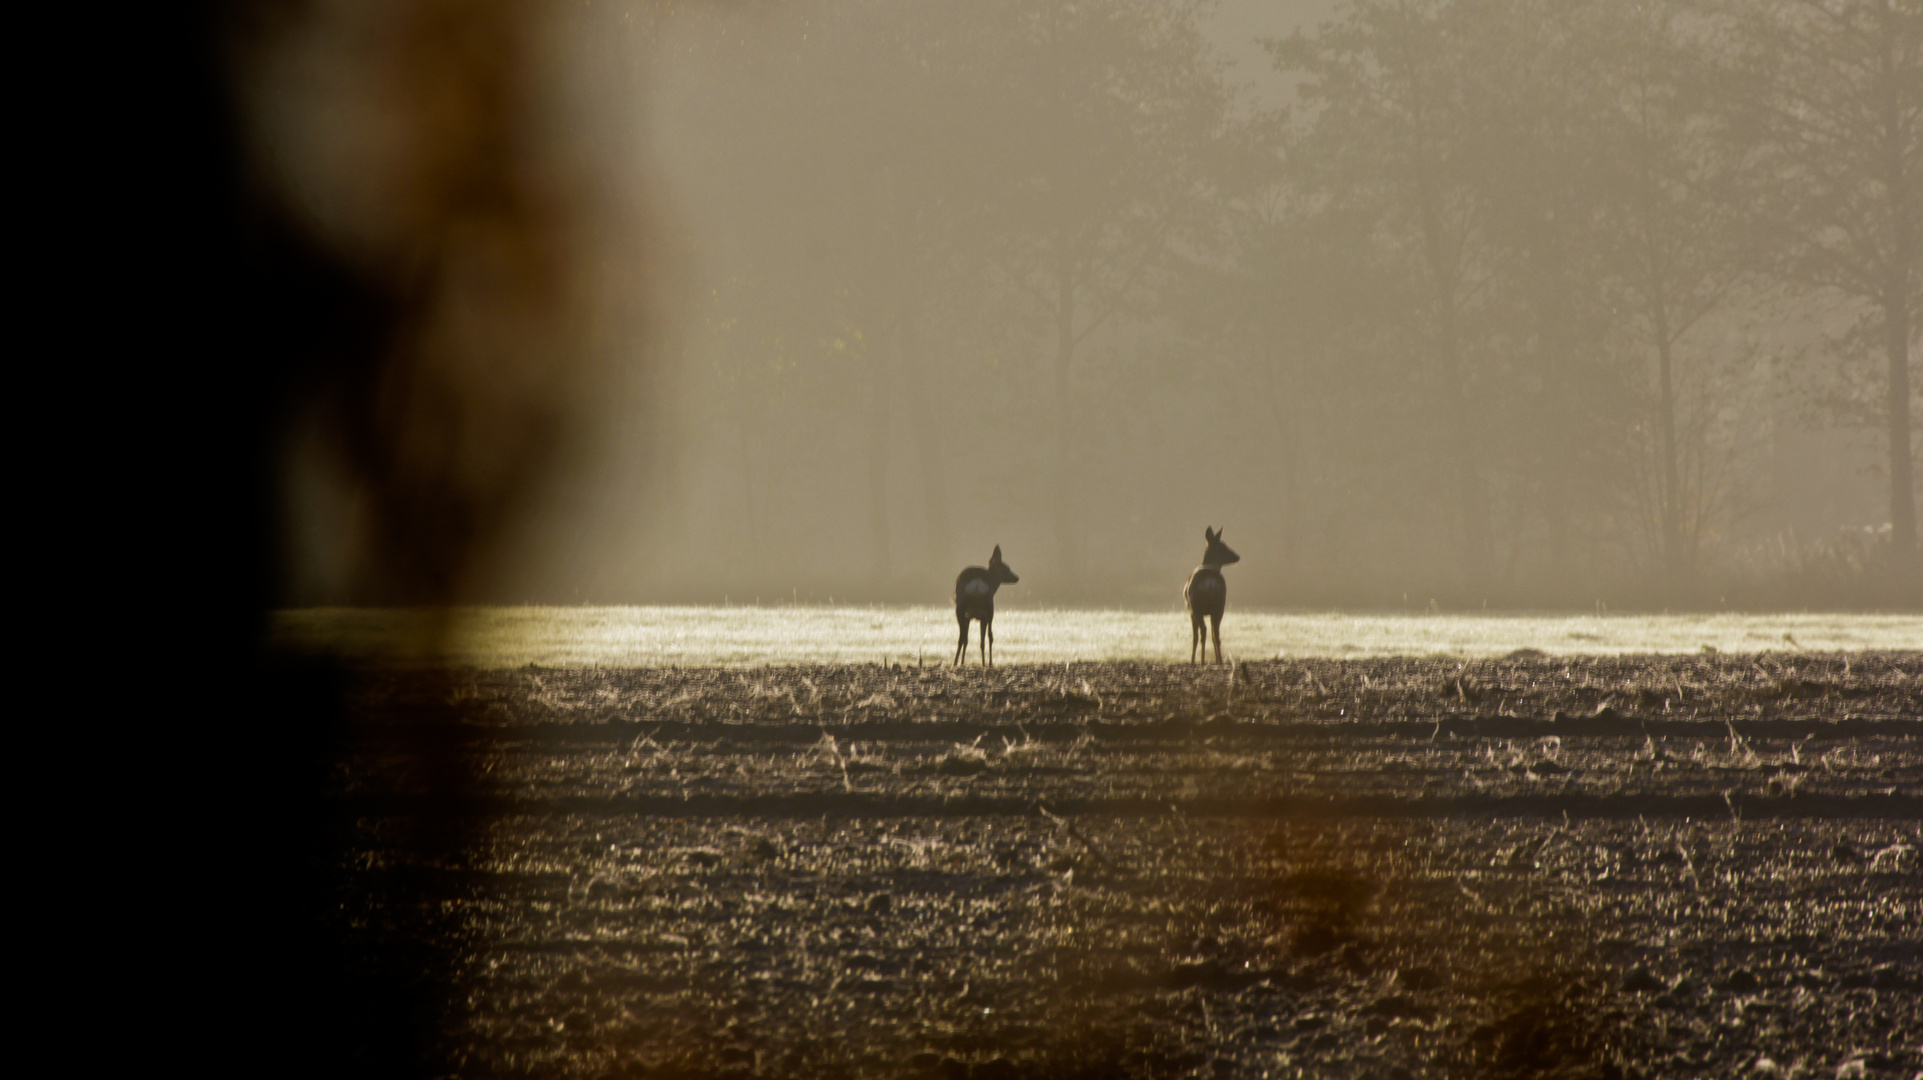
1061	427
934	478
750	462
1444	280
1677	544
1283	403
1558	458
881	401
1896	323
1898	297
1471	501
1676	563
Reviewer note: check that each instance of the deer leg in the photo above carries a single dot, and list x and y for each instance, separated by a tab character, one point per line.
961	649
1215	627
981	642
1195	634
988	631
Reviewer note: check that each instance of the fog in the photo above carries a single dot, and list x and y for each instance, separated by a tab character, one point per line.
1460	302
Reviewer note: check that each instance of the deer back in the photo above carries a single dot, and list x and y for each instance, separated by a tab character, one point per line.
975	591
1207	592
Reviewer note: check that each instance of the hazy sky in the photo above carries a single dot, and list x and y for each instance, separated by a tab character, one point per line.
864	289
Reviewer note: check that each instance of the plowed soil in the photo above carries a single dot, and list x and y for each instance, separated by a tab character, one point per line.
1632	866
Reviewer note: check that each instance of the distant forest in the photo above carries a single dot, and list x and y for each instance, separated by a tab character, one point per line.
1516	302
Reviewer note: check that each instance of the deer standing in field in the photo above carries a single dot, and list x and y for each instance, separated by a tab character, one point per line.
975	599
1207	594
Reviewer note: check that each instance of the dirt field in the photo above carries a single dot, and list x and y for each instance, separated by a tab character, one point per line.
1534	866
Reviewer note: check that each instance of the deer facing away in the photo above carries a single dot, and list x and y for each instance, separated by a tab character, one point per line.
1207	594
975	599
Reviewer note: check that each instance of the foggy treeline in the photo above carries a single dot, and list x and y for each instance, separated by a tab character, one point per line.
1510	301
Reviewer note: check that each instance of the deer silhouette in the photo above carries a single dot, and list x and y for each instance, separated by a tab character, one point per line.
1207	594
975	599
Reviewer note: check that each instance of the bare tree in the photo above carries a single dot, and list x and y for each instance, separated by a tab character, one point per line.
1384	87
1122	102
1679	252
1827	97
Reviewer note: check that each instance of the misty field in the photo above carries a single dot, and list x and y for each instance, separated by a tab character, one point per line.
496	637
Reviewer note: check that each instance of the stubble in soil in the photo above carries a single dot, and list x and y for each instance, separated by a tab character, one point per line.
1528	867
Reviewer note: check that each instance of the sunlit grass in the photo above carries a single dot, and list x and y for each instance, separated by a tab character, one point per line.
739	636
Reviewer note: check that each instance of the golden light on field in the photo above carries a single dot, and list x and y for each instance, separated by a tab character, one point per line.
500	637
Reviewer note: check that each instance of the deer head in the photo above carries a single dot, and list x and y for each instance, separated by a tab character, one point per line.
1218	553
998	570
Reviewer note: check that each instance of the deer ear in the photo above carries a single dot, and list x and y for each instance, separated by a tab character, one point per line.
1208	534
997	557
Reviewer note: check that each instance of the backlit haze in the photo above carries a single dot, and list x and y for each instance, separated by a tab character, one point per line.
1513	303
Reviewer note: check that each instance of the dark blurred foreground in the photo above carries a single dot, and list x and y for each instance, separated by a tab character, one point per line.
433	347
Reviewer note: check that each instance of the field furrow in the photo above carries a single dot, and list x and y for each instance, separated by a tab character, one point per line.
1669	866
